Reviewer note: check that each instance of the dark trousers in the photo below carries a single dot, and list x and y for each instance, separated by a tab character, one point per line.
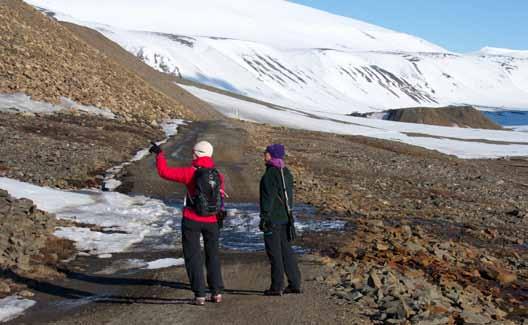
282	259
192	252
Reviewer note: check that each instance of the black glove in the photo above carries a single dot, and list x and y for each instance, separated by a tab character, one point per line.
264	226
220	216
154	148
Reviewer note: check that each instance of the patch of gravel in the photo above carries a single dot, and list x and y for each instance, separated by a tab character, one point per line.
67	150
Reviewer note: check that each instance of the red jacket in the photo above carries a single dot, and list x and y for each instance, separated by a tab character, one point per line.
185	175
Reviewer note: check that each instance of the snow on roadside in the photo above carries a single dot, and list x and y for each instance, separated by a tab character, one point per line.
125	220
140	264
463	142
13	306
164	263
18	102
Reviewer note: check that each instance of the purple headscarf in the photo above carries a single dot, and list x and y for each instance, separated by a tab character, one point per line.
277	153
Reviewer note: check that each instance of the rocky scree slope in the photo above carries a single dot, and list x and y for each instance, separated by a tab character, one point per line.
45	60
165	83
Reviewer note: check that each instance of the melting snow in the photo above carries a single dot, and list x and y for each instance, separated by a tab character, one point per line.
140	264
22	103
164	263
125	220
13	306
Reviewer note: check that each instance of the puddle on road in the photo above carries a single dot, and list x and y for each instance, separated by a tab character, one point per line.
240	230
241	226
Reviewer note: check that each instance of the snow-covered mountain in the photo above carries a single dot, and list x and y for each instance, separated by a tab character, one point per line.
299	57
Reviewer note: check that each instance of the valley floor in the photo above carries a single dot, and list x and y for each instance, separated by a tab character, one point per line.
429	239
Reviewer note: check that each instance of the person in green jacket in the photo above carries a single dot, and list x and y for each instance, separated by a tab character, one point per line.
274	222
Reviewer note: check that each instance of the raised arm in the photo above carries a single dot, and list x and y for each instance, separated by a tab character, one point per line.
176	174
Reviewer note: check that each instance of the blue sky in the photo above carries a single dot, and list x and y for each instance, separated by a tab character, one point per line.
458	25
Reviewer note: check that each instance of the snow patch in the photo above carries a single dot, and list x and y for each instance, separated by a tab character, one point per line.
13	306
18	102
165	263
140	264
503	52
170	127
125	220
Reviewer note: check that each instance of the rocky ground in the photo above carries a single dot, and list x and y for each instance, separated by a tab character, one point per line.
431	239
67	150
27	245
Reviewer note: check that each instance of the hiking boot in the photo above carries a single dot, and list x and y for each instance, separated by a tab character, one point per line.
270	292
293	290
216	298
199	301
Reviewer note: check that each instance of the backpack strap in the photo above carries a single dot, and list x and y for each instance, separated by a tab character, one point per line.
187	195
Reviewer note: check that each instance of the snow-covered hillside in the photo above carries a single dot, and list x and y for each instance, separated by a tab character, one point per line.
503	52
276	23
300	57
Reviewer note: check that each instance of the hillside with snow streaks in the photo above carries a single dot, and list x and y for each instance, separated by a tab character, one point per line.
295	56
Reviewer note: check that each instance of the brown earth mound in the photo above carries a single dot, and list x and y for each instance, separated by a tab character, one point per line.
461	116
43	59
27	244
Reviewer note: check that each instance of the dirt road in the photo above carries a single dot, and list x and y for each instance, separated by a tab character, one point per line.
230	146
163	297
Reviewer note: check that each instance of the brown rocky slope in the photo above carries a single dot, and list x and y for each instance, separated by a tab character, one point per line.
163	82
43	59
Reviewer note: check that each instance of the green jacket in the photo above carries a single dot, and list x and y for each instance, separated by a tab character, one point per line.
272	203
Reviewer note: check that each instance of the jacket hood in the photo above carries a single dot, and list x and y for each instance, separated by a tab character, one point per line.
204	162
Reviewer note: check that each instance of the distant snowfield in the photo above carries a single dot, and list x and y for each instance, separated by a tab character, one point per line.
461	142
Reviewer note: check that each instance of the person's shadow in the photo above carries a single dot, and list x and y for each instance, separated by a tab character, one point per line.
74	294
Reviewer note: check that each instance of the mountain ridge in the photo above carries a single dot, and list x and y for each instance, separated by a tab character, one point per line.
329	75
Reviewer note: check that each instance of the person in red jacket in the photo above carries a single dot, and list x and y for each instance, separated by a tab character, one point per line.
194	225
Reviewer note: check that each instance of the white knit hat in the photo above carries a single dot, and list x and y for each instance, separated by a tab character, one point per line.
203	149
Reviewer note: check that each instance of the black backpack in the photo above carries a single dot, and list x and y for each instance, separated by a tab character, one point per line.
207	199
